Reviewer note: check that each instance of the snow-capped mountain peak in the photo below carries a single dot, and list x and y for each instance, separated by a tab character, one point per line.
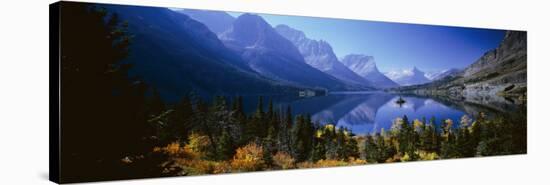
406	77
361	64
365	66
416	70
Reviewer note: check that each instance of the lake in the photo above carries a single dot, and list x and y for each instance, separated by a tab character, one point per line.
367	112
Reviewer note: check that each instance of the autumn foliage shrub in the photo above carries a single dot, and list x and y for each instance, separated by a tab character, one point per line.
322	163
198	166
191	157
283	160
356	161
331	163
198	145
428	155
248	158
174	150
306	164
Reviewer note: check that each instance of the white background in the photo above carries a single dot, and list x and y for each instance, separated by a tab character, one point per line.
24	91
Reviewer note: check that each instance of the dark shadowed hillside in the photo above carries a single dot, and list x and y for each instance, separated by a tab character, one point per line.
177	54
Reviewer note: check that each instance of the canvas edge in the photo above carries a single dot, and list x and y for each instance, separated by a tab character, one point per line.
54	105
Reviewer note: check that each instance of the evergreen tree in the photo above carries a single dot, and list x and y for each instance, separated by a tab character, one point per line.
384	151
270	112
372	153
205	121
298	145
283	134
307	136
475	132
270	145
331	149
274	123
351	149
104	111
404	136
303	132
221	117
426	138
238	110
448	146
341	144
436	139
270	119
319	152
226	148
288	116
240	118
258	124
180	121
464	141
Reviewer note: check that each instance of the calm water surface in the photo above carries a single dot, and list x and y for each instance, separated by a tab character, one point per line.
365	112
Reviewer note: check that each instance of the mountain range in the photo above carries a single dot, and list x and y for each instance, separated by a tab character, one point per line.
273	56
316	53
496	79
319	54
176	55
213	52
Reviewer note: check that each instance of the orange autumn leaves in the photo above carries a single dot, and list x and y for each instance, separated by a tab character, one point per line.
191	158
248	158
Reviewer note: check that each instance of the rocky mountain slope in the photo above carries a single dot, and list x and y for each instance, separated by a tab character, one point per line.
273	56
319	54
365	66
498	78
216	21
442	74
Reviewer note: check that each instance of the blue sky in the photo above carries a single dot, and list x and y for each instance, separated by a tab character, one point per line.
397	46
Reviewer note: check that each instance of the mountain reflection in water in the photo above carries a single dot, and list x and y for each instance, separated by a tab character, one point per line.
369	111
